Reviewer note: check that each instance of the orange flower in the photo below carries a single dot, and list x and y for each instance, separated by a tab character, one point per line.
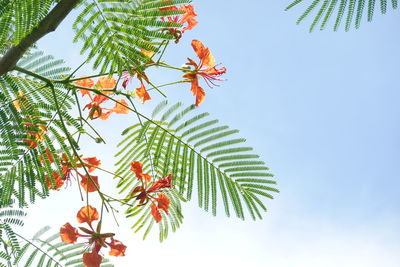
142	93
92	259
93	162
95	239
137	168
88	83
188	18
205	69
96	111
90	185
156	213
57	179
68	233
117	248
87	214
106	83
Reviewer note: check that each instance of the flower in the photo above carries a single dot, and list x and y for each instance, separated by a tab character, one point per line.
188	18
68	233
205	69
117	248
90	184
87	214
151	192
95	239
88	83
95	110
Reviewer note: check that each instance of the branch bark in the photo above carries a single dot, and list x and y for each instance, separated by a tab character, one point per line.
47	25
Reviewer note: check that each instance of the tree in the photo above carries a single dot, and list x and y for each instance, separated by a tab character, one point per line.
163	158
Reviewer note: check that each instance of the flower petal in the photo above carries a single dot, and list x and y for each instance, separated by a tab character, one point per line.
68	233
121	107
91	259
117	248
88	185
203	53
106	83
198	92
156	213
88	83
142	93
163	202
87	214
93	161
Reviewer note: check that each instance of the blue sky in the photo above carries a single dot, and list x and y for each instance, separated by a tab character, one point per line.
322	111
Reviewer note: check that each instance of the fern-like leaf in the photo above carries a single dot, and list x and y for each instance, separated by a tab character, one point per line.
347	10
201	154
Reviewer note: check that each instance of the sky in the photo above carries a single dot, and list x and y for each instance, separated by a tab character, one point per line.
322	111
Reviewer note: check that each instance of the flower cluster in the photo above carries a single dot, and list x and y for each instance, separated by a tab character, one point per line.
95	239
95	110
151	191
88	182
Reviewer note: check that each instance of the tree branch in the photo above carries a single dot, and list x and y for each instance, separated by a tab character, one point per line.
47	25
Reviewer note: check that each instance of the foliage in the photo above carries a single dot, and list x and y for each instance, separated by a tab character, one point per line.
163	160
351	11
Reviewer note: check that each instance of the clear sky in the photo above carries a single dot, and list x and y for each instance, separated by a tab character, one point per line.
321	109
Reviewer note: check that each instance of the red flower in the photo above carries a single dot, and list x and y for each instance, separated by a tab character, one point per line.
205	69
68	233
87	214
117	248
